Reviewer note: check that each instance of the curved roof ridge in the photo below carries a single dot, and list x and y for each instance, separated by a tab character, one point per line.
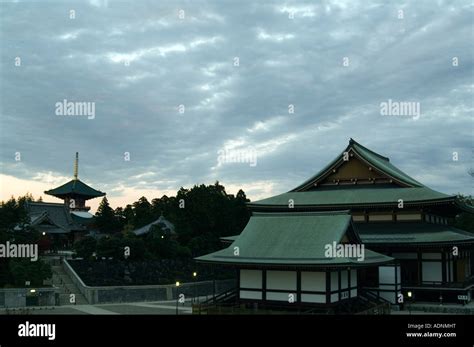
380	162
352	141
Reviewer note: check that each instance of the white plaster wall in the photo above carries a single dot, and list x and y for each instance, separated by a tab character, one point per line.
353	278
431	271
247	294
281	296
344	279
313	281
284	280
251	279
334	281
318	298
386	274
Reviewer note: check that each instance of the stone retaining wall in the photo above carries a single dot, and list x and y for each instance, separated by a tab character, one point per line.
112	294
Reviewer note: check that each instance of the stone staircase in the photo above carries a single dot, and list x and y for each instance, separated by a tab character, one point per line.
62	280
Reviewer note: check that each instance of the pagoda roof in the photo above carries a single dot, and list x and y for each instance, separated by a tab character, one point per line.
75	187
354	196
379	162
292	239
412	233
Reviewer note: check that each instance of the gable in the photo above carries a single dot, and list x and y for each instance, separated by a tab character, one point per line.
354	171
358	165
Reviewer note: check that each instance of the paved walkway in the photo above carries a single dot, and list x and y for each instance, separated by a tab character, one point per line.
153	308
90	309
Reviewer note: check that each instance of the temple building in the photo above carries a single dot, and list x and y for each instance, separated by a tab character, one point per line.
409	249
165	226
64	223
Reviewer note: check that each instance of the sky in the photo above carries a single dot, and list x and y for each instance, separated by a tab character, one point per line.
259	96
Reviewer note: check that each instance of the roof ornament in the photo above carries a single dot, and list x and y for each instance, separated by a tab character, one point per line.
76	166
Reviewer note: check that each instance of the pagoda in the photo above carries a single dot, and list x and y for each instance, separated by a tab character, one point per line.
75	193
65	223
413	251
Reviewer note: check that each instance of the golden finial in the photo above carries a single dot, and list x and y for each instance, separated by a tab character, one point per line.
76	166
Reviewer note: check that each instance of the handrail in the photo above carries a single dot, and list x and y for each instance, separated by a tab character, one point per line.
365	291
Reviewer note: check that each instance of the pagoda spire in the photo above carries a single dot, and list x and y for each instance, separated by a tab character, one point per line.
76	166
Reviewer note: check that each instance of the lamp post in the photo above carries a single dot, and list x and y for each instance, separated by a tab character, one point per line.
194	284
410	295
177	296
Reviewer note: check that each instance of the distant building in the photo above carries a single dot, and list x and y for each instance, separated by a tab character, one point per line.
56	222
411	250
165	225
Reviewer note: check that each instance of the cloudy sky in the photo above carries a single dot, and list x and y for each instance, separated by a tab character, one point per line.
177	85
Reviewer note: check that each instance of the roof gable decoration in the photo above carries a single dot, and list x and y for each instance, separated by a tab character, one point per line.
358	165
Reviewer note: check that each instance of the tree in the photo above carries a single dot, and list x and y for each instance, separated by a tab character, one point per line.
465	220
14	212
23	270
110	247
105	217
142	211
86	247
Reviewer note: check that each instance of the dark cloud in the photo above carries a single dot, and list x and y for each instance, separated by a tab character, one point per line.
138	61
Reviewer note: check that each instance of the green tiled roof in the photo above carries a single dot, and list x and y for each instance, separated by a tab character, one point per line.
349	196
411	233
376	160
229	238
353	196
75	187
292	239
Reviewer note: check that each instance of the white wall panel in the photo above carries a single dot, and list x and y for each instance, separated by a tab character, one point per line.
334	281
281	296
386	274
247	294
318	298
251	279
353	278
284	280
344	279
313	281
431	271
